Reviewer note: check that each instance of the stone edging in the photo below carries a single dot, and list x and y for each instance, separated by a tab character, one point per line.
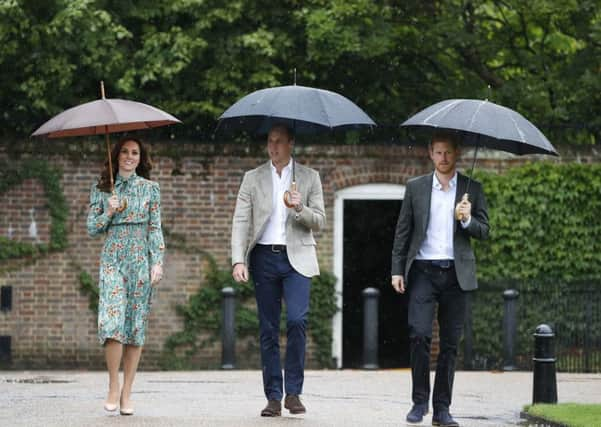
535	421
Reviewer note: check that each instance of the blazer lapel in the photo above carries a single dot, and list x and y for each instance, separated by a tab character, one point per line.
426	190
301	180
461	187
266	186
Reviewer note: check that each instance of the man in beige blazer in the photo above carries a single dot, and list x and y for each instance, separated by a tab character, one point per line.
276	245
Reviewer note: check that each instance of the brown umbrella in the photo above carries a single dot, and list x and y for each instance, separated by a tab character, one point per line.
105	116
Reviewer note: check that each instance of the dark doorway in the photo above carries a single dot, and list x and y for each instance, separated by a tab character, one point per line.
368	235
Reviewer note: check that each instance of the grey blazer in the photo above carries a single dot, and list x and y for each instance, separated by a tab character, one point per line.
413	222
254	207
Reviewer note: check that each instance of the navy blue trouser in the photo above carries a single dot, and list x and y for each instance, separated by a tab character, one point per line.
428	286
275	278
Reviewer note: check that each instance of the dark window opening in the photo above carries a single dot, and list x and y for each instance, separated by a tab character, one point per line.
6	298
5	350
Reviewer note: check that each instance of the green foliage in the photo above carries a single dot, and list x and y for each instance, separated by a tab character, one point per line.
544	223
11	175
545	243
90	287
53	54
323	307
11	249
194	58
202	315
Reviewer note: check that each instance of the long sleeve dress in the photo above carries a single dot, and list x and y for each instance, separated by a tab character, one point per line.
134	243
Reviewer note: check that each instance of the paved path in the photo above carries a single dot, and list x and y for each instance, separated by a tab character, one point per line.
234	398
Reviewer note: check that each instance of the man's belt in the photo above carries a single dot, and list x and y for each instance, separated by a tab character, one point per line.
443	264
274	248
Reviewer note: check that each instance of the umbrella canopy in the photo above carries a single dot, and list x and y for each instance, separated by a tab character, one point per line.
105	116
306	110
485	124
102	117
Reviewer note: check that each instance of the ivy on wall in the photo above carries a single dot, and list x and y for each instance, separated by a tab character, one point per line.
90	288
545	222
11	175
546	243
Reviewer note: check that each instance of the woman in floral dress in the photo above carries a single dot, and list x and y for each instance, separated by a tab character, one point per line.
131	262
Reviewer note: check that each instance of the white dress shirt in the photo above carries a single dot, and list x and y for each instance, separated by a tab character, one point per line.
438	244
275	229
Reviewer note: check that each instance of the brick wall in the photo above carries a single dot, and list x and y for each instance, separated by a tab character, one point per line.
50	322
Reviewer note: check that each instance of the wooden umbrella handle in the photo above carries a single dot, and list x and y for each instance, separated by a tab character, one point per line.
464	199
287	195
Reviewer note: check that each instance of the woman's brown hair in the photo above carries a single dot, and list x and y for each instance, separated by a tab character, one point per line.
143	169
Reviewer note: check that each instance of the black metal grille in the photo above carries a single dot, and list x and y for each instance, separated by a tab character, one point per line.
573	310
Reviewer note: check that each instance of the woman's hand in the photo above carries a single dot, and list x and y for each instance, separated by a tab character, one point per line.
156	274
113	205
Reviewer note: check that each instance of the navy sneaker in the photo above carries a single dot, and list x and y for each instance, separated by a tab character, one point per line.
416	414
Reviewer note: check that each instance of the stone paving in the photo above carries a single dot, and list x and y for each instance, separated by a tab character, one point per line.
234	398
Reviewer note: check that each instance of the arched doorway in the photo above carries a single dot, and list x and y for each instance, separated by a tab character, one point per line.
364	220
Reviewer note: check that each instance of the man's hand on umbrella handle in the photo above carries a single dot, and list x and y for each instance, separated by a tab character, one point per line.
463	210
240	272
113	205
398	284
296	200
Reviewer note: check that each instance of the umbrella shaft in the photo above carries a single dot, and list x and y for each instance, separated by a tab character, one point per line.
469	181
108	150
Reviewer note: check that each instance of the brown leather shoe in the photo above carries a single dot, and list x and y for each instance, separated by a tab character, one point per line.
294	405
273	409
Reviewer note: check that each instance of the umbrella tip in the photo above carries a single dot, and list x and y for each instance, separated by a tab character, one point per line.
102	88
294	76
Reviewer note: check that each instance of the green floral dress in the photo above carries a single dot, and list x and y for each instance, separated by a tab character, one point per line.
133	244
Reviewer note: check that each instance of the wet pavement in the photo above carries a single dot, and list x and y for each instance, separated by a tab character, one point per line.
235	398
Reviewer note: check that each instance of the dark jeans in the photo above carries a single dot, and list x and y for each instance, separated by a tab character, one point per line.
427	286
275	278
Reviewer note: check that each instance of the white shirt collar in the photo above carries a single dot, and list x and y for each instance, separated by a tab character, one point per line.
436	183
285	169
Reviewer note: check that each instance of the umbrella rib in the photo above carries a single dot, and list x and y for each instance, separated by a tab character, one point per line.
443	109
271	107
258	101
112	111
475	114
323	106
522	138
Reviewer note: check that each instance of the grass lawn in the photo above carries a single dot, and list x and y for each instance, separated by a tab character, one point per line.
570	414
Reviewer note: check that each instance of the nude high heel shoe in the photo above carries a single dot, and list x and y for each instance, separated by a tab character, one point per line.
126	411
110	407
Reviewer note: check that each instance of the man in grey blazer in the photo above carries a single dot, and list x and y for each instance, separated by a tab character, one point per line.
277	244
432	259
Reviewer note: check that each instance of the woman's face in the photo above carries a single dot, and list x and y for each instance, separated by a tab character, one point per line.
129	157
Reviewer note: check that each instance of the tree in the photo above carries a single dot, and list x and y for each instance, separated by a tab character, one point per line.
194	58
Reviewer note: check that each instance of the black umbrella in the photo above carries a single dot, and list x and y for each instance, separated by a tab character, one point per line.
483	124
305	110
